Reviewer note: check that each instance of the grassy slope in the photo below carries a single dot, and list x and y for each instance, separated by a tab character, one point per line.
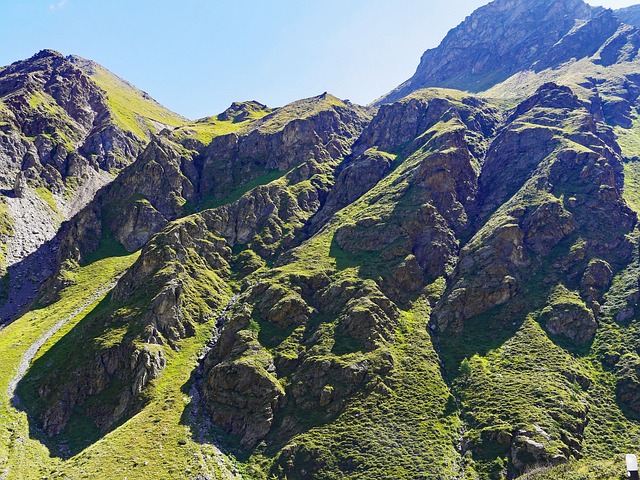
132	110
154	444
611	431
205	129
20	455
415	422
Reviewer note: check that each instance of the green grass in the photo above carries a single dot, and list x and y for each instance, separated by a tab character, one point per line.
613	469
109	247
628	139
402	421
116	328
20	455
632	185
43	101
132	111
155	443
300	110
206	129
59	128
262	179
524	382
47	197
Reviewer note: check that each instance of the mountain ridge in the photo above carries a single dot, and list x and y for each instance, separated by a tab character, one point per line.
494	42
443	286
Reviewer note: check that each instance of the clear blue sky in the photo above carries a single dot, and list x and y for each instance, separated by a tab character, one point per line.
196	57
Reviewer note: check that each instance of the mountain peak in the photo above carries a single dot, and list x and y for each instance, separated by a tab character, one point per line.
47	53
241	111
493	43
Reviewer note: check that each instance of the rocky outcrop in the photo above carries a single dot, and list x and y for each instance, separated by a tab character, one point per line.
19	185
135	368
168	180
241	111
524	230
629	15
569	316
242	385
584	40
328	332
59	124
243	391
628	381
525	451
496	41
398	131
595	281
128	344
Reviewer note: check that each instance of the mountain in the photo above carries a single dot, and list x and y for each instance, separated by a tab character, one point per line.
445	285
493	43
630	15
68	127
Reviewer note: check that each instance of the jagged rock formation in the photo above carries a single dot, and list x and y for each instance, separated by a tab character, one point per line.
62	137
630	15
305	149
493	43
443	203
170	180
446	286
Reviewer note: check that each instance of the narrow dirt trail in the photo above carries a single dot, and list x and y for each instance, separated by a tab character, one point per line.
32	351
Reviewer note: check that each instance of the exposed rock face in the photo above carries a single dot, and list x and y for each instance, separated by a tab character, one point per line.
400	130
359	312
521	233
244	391
329	247
168	179
493	43
58	124
570	319
133	368
598	60
584	40
53	137
169	282
629	15
526	451
61	140
20	185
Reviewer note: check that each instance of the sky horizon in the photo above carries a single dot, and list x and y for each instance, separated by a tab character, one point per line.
196	59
